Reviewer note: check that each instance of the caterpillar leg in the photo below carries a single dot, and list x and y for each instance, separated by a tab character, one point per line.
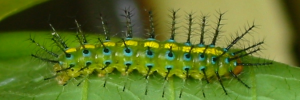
236	77
106	74
184	80
166	81
126	76
220	81
147	77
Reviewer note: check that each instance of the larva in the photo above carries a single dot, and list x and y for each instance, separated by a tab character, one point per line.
188	61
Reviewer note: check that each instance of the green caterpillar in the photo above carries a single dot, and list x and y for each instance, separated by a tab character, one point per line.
168	58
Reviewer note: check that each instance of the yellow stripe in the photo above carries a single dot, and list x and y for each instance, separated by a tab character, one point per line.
130	42
186	49
213	51
151	44
71	50
88	46
112	44
174	46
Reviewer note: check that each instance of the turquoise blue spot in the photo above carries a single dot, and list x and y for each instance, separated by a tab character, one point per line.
187	58
232	54
128	38
71	57
107	53
107	61
211	45
169	67
170	40
149	64
170	56
128	52
227	60
202	68
149	54
213	60
128	63
201	57
71	65
86	54
151	39
225	50
186	67
87	63
187	44
201	45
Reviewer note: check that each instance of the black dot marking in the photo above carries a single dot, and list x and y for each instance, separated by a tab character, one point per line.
214	59
127	50
169	68
106	50
150	53
170	54
188	56
68	55
107	63
88	63
149	66
128	64
85	51
186	69
201	55
71	65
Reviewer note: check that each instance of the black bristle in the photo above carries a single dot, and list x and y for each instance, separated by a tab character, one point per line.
44	59
105	29
217	30
128	14
173	24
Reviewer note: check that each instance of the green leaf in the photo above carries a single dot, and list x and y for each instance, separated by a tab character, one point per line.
21	77
10	7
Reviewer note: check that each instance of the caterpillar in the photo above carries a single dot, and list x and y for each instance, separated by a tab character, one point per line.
188	61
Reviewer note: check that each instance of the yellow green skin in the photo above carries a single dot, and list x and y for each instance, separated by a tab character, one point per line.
139	60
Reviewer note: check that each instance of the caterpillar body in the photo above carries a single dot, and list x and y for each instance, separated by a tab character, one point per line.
187	60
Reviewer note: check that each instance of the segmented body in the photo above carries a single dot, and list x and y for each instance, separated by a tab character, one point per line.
168	58
145	56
